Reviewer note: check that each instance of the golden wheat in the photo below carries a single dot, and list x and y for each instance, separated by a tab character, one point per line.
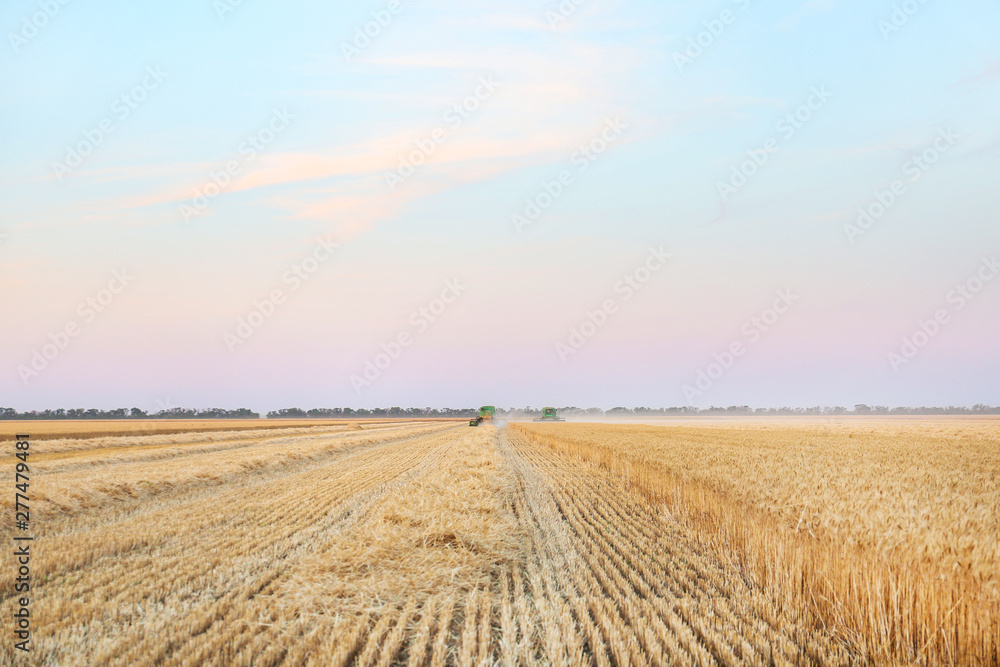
431	544
886	531
98	428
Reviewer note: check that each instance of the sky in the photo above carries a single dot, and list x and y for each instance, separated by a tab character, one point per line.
594	202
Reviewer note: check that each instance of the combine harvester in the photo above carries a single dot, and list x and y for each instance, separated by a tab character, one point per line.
549	415
487	413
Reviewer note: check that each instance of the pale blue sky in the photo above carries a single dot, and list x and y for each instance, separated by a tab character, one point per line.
323	175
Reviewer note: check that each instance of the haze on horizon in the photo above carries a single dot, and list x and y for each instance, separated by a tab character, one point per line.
221	203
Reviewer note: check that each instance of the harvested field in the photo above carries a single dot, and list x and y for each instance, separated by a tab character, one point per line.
100	428
103	428
424	544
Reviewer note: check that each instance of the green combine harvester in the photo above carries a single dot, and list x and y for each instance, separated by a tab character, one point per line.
549	415
487	413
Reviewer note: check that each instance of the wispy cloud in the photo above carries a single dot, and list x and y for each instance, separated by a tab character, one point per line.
544	108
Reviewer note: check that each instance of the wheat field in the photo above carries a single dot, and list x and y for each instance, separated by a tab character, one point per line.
888	531
66	429
430	543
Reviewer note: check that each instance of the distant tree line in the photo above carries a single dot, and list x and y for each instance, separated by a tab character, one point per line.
133	413
511	413
572	411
